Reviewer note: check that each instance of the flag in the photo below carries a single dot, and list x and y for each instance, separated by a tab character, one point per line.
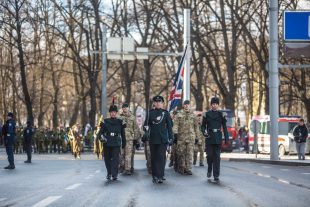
176	90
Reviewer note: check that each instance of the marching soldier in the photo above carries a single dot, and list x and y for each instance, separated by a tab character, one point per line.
28	133
159	125
212	124
186	130
199	145
127	154
112	133
9	133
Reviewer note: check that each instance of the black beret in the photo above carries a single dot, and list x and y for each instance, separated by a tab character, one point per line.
10	114
125	105
113	108
158	98
186	102
215	100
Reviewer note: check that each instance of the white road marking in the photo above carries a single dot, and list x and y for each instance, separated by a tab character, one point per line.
267	176
260	174
98	171
283	181
2	199
74	186
46	201
264	166
305	173
284	169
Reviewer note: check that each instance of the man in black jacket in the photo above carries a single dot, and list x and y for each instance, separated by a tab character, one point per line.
300	134
9	133
159	124
28	133
112	134
213	122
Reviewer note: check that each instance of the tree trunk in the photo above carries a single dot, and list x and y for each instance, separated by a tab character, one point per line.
19	42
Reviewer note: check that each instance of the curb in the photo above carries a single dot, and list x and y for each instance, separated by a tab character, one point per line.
272	162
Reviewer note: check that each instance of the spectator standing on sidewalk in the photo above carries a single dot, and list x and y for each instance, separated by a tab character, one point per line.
300	134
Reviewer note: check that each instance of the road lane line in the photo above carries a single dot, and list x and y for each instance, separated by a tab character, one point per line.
305	173
264	166
97	171
284	169
46	201
284	181
2	199
74	186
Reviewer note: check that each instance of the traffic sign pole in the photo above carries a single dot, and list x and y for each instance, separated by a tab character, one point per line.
273	79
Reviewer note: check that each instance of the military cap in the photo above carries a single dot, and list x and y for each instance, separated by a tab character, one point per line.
125	105
175	112
215	100
113	108
158	98
10	114
186	102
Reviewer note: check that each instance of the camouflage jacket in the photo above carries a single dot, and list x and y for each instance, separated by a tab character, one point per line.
186	126
131	126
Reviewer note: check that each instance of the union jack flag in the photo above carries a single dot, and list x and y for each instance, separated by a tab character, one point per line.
176	90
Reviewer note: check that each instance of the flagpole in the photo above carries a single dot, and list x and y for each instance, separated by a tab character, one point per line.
186	83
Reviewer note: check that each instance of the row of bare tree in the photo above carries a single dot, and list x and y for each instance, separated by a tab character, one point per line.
50	74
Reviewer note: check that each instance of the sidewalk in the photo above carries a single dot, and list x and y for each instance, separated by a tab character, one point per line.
290	160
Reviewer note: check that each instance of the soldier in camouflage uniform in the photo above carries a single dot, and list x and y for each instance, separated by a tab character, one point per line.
127	153
47	139
98	145
186	129
18	146
199	144
39	137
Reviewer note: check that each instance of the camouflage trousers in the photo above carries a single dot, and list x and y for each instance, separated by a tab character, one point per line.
127	156
199	148
185	156
147	153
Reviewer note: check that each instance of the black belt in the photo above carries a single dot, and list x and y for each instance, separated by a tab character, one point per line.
112	134
214	130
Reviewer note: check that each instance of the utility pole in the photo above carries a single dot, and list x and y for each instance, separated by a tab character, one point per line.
273	79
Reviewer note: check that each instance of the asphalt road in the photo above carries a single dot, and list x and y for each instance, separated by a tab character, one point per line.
57	180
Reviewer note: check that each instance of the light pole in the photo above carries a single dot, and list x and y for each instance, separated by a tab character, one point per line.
104	72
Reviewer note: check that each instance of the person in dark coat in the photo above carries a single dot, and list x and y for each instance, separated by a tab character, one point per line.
300	134
28	134
213	126
9	134
159	125
112	134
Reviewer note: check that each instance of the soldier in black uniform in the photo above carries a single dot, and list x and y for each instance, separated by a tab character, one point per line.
112	134
9	133
28	133
159	124
213	123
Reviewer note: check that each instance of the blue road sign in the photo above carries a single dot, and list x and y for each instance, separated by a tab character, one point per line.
296	25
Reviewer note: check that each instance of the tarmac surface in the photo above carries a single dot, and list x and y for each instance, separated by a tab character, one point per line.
59	180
